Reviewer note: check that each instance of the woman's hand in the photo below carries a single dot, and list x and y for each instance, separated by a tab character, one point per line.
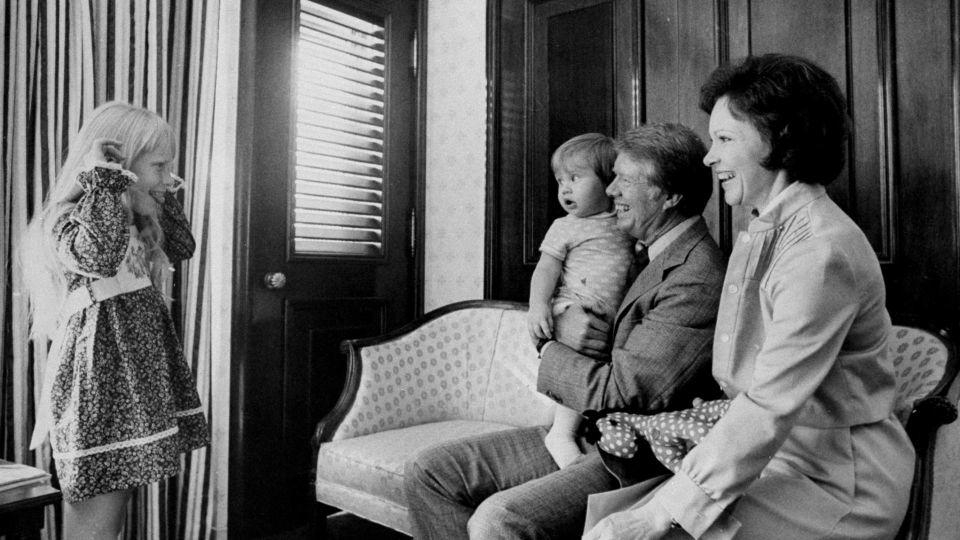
583	331
649	522
540	322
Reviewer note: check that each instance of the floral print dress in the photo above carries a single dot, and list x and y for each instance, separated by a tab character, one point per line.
123	402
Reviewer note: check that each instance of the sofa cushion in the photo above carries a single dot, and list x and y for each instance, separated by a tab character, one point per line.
374	463
436	372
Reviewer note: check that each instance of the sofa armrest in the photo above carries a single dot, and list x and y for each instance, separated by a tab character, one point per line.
432	369
926	416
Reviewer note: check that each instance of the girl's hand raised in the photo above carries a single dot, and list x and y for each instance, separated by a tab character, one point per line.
102	151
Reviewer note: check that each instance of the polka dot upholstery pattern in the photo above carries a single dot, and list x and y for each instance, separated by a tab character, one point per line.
511	395
433	373
670	434
919	361
450	368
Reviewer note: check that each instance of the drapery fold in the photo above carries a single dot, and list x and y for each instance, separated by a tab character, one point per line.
62	58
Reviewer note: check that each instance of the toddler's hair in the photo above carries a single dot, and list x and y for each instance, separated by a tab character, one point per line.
139	131
593	150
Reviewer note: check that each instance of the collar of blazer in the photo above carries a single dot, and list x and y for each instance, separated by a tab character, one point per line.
674	255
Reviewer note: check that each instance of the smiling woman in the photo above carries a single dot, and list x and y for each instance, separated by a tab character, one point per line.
810	443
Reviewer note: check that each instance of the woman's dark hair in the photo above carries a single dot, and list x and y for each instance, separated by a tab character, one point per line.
794	104
676	154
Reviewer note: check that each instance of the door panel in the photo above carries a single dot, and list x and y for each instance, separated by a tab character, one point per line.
291	368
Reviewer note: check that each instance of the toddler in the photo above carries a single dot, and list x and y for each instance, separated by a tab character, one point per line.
586	253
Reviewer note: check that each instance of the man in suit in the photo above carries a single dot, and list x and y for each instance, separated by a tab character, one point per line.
505	484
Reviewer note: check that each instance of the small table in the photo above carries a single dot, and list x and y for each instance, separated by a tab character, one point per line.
21	510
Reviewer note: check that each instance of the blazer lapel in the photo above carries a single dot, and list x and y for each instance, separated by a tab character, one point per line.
651	276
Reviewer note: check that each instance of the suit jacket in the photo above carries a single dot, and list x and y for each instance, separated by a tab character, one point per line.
662	337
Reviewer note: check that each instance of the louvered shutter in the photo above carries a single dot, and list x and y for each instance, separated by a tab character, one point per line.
338	206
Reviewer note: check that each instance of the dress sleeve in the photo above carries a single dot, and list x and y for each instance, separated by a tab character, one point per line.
178	241
813	301
92	237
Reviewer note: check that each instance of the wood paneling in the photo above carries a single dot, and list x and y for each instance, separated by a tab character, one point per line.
896	62
924	275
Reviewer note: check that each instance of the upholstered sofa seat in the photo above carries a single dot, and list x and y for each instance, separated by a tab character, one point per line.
364	475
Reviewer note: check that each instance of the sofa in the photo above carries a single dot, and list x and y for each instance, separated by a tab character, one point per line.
470	368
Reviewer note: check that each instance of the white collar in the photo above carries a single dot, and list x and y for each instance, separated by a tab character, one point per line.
663	242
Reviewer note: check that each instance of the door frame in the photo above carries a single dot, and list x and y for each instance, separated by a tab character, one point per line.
243	284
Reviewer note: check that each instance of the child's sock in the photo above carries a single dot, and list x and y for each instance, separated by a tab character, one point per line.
561	439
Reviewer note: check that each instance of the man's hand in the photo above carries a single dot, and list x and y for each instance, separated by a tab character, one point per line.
582	331
649	522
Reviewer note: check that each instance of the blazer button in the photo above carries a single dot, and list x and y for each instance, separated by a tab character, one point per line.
725	338
732	289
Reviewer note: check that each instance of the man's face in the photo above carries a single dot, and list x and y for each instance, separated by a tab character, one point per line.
639	204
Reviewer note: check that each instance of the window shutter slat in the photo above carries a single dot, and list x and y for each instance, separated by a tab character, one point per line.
338	219
344	138
315	106
313	174
333	247
337	205
323	189
322	232
349	153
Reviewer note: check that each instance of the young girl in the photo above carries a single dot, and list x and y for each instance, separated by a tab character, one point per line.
583	251
119	401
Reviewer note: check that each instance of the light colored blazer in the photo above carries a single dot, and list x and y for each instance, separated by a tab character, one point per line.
809	444
662	337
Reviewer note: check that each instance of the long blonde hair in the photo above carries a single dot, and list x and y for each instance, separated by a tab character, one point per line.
138	130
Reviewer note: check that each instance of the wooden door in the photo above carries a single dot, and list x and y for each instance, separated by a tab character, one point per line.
561	68
330	88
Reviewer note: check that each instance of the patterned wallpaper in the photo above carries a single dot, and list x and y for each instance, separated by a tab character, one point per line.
456	151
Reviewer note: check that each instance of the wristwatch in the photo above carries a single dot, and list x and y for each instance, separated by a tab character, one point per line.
541	343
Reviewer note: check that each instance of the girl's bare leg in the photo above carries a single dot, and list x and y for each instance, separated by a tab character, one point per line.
97	518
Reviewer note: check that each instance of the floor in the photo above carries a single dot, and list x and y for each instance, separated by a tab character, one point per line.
343	526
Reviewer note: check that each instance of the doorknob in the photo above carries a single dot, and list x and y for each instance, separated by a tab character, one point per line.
274	280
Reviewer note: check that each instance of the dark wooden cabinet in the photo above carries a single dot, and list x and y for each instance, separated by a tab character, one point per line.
563	67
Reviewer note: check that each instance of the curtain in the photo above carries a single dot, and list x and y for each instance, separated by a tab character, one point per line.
62	58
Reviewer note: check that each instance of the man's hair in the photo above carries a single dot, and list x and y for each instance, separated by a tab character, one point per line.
796	106
676	154
593	150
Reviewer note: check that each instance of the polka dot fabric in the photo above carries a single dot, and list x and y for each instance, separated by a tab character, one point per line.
919	360
437	372
511	396
670	434
450	368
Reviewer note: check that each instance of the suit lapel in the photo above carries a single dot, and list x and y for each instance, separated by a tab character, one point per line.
651	276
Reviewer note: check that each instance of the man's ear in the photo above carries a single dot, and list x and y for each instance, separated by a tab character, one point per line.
672	201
